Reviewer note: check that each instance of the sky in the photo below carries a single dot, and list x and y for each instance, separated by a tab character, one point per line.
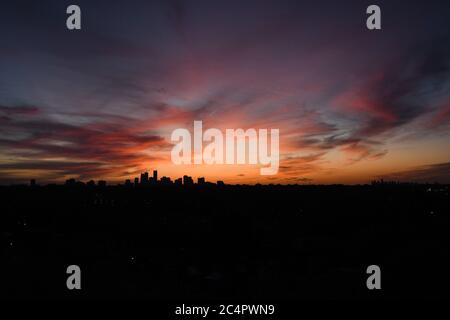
352	105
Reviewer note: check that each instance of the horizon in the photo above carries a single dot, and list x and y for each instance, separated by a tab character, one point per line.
172	181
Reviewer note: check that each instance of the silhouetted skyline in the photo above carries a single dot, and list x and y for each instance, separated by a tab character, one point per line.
144	180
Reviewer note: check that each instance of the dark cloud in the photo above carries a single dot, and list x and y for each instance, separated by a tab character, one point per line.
439	172
403	89
8	111
299	180
103	147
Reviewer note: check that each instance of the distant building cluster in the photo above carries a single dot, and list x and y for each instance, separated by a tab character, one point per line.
381	182
146	180
186	180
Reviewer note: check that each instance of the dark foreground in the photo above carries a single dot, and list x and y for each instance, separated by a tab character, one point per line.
254	243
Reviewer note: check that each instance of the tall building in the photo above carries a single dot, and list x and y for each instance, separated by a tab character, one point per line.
32	182
144	178
201	180
155	175
187	181
136	182
179	181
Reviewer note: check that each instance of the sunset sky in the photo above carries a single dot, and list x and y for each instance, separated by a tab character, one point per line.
352	105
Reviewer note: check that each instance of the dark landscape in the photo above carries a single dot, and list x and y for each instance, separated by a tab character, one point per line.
211	241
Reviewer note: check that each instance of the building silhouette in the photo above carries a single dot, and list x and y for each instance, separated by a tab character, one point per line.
165	181
187	181
144	178
70	182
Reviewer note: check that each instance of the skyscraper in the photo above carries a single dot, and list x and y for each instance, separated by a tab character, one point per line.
144	178
155	176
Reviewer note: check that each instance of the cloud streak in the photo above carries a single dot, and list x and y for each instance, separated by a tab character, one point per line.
439	173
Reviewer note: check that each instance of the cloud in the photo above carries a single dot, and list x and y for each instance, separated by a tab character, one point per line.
299	180
439	172
399	92
111	146
18	110
442	115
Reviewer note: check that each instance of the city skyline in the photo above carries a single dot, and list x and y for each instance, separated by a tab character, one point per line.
145	180
351	104
142	180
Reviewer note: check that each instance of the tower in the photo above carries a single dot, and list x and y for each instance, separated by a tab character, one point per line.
144	178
